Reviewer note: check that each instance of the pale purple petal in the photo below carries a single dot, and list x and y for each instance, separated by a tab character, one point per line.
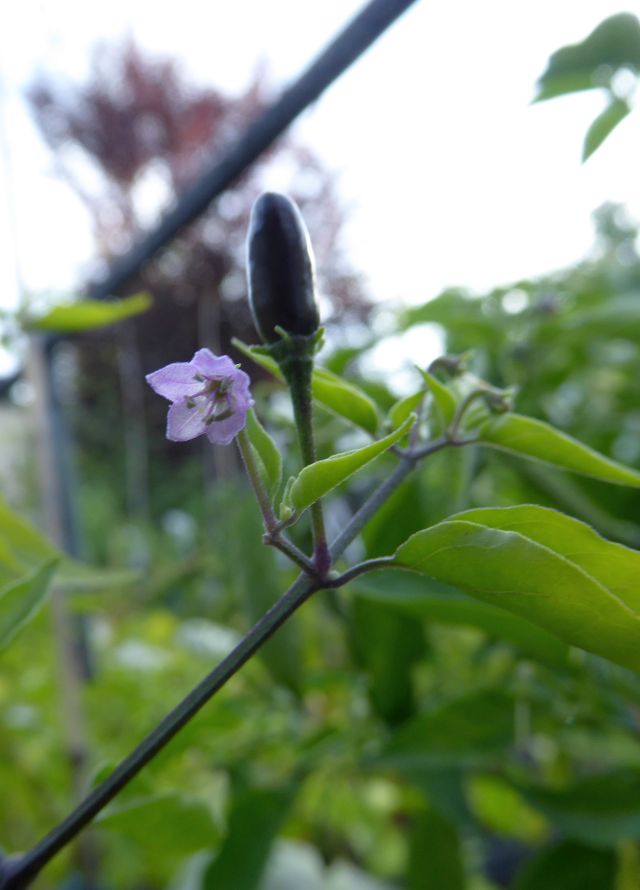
184	423
239	395
222	432
210	365
176	381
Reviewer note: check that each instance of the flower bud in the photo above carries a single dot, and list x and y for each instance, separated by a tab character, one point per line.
280	270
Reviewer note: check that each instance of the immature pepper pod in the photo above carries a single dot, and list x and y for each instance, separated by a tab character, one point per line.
280	270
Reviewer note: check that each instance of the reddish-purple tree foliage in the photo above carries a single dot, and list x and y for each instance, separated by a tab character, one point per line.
128	141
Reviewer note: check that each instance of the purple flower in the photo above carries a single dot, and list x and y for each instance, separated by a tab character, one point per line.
209	395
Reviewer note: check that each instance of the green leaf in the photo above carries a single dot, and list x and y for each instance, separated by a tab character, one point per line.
435	858
345	400
78	577
600	810
510	570
537	440
335	393
569	866
172	822
443	397
20	601
317	479
401	409
86	315
503	810
267	451
436	602
604	125
615	43
254	821
27	546
388	644
616	567
468	730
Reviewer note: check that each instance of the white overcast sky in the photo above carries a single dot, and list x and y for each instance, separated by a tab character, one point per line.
453	176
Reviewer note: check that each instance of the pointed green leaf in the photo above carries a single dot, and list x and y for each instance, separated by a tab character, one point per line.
604	125
345	400
442	396
613	565
508	569
254	821
613	44
401	409
267	451
319	478
86	315
20	601
538	440
22	540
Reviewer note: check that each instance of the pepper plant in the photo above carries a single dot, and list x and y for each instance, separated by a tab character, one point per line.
525	572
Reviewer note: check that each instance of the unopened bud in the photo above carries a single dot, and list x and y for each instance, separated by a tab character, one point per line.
280	270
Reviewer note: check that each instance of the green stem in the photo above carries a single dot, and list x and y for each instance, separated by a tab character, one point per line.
273	536
296	363
253	473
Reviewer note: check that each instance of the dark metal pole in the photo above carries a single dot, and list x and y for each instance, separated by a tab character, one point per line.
345	49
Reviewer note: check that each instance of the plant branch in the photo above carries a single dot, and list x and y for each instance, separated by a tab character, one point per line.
16	873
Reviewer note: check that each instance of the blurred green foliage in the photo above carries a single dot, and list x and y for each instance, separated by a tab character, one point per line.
396	733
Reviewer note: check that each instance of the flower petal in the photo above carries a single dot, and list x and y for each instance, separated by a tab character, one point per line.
222	432
184	423
210	365
176	381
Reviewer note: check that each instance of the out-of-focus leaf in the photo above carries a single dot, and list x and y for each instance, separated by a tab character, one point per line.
389	644
345	400
86	315
618	316
318	479
167	822
78	577
598	810
404	407
420	596
254	822
537	440
604	125
442	396
501	809
435	859
508	569
614	44
22	540
569	866
468	730
267	451
20	601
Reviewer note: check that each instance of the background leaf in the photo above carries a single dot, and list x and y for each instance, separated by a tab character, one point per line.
20	601
254	822
604	125
569	866
537	440
87	315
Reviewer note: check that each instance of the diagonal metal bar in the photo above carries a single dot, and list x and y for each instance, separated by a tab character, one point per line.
342	52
